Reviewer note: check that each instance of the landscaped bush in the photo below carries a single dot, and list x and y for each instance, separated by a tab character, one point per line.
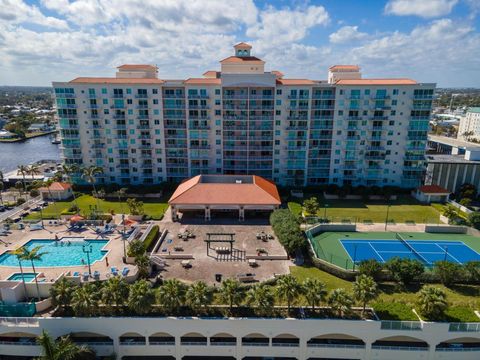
405	270
136	248
34	193
287	229
474	219
394	311
21	201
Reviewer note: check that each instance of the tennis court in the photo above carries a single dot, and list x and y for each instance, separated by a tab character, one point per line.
427	251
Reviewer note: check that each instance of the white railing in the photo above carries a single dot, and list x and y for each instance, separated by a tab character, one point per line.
464	327
19	321
401	325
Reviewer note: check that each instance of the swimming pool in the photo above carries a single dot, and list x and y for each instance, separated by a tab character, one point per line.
29	277
59	253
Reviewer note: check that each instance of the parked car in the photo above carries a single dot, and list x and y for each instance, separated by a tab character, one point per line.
2	208
37	208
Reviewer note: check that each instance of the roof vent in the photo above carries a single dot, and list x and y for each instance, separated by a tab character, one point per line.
238	181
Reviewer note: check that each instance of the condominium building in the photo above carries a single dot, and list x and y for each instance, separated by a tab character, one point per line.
469	127
244	120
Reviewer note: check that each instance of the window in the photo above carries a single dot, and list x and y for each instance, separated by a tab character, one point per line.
154	91
217	91
395	91
105	101
394	102
105	111
129	91
156	122
217	102
129	101
278	112
218	112
367	91
278	102
218	122
155	101
340	112
341	92
91	92
104	90
279	91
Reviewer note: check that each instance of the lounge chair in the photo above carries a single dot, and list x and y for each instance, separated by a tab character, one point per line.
125	271
85	276
76	273
114	271
96	275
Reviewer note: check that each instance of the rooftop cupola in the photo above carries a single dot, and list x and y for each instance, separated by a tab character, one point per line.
242	49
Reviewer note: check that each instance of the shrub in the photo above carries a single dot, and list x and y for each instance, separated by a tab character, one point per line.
474	219
20	201
472	270
465	202
287	229
370	268
403	270
448	272
311	206
432	302
151	237
73	208
135	206
136	248
34	193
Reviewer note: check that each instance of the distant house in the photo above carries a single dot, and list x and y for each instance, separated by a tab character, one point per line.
56	191
39	127
431	193
4	134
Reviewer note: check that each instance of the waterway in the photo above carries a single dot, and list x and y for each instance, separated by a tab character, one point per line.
27	152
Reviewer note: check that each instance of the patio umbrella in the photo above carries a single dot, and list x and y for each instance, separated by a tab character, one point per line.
76	218
128	222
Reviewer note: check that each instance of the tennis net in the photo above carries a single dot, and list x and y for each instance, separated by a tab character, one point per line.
399	237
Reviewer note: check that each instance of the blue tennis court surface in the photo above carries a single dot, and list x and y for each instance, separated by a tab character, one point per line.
427	252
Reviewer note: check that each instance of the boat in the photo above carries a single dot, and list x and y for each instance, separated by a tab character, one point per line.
56	140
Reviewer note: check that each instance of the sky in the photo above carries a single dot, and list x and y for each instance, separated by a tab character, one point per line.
57	40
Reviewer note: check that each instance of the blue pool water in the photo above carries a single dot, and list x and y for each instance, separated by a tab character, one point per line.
59	253
29	277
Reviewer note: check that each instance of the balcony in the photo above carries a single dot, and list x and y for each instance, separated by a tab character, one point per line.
199	146
142	117
141	107
143	127
198	96
141	96
67	116
323	96
423	97
198	107
119	116
65	95
118	96
261	97
380	97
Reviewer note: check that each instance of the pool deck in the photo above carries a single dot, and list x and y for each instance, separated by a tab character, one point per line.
18	238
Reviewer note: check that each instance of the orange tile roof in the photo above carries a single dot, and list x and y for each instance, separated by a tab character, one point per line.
203	81
239	59
211	74
137	67
106	80
194	192
344	67
376	82
295	82
57	186
433	189
277	73
243	44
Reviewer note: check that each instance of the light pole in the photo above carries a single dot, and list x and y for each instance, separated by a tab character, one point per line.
123	237
386	219
87	249
325	212
446	253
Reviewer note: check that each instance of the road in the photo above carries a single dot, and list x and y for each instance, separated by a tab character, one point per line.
19	209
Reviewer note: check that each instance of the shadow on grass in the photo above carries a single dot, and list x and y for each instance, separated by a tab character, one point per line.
394	288
467	290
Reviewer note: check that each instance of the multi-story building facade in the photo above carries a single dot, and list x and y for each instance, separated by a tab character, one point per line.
244	120
469	127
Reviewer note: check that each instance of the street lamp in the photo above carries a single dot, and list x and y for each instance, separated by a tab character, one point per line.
325	212
386	219
88	249
123	237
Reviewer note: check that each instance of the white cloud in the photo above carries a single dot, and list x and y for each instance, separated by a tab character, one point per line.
347	34
17	12
422	8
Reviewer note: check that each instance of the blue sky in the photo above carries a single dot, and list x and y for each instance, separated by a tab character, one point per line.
56	40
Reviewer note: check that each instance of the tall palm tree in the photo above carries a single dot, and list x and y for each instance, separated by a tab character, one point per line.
198	295
1	186
231	293
85	300
18	253
33	170
364	290
171	294
314	291
143	265
120	194
340	301
115	292
289	288
141	297
261	297
90	176
62	293
23	170
33	255
61	349
432	301
67	171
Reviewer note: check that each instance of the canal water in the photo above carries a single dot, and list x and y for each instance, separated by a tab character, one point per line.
27	152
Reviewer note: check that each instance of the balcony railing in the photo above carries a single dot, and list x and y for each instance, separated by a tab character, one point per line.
464	327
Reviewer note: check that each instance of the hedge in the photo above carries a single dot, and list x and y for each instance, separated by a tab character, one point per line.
287	229
151	238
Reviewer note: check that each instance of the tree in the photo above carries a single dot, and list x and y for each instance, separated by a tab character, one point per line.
198	296
404	270
62	293
136	248
448	272
171	295
261	297
67	171
450	212
143	265
432	302
90	176
141	297
33	255
33	170
311	206
85	300
340	301
231	293
315	292
18	253
61	349
287	229
288	288
135	207
472	269
370	267
23	170
115	292
468	191
1	187
364	290
474	219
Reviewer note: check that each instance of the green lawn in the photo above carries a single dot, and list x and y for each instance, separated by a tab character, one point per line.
401	210
396	305
85	202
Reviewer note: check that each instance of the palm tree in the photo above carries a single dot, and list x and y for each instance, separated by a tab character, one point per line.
141	297
231	293
198	295
315	292
18	253
364	290
85	300
115	291
68	171
143	265
61	349
89	174
288	288
1	189
120	194
33	170
23	170
171	294
33	255
262	298
432	301
340	301
62	293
